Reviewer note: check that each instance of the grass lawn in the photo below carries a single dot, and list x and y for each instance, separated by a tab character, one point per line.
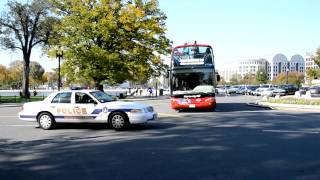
294	101
18	99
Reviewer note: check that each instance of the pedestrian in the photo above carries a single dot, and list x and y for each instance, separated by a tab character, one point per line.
150	91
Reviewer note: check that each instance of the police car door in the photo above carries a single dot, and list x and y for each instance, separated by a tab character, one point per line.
61	107
84	107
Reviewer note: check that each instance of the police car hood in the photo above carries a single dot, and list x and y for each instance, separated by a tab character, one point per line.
123	104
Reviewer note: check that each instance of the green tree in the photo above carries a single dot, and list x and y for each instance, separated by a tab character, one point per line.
23	27
235	79
111	40
262	76
316	57
36	72
311	73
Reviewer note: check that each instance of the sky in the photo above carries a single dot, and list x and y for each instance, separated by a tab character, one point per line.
237	29
245	29
8	56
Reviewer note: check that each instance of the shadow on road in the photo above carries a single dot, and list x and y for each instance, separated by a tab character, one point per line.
104	126
224	147
228	107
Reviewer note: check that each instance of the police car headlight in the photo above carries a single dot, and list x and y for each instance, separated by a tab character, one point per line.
136	111
105	109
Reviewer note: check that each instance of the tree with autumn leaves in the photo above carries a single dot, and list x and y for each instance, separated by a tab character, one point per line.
111	40
103	40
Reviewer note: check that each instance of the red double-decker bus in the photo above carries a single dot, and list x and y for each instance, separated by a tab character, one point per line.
193	77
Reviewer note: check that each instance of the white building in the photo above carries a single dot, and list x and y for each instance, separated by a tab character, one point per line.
227	73
309	63
278	64
251	66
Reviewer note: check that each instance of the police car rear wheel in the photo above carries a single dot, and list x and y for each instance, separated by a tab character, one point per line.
118	121
46	121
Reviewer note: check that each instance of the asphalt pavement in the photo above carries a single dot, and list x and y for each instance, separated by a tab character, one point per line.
236	142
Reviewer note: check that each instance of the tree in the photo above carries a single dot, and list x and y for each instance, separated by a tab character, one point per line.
316	57
312	73
36	72
293	78
51	78
3	76
262	76
249	79
235	79
111	40
23	27
15	74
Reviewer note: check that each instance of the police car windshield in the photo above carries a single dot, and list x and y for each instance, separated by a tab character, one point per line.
101	96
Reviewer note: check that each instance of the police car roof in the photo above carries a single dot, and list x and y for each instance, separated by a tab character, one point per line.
81	90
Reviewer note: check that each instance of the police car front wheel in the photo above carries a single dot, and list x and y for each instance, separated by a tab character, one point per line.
118	121
46	121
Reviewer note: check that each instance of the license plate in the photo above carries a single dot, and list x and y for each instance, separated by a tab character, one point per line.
192	106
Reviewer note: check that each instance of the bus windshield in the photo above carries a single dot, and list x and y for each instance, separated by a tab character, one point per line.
187	80
192	55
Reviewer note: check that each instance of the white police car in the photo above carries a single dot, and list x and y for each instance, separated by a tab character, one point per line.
85	106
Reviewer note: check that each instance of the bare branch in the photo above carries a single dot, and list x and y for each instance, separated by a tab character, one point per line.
16	31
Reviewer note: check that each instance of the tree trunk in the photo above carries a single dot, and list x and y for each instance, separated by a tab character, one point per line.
25	80
99	86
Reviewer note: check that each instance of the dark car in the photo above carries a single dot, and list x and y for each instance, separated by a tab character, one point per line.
303	90
315	90
290	89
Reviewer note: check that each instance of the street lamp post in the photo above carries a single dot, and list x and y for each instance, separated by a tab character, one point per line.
59	55
287	72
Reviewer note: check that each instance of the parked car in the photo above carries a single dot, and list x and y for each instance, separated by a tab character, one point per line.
267	92
303	90
250	89
258	91
279	91
315	90
289	88
231	90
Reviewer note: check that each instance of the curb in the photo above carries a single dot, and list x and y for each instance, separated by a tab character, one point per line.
258	105
10	105
144	98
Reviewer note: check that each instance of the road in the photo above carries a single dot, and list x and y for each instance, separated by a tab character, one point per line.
234	142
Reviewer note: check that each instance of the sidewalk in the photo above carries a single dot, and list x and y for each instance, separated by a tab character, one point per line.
143	98
3	105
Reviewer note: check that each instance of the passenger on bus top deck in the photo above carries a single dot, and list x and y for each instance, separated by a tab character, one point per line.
207	57
176	57
186	53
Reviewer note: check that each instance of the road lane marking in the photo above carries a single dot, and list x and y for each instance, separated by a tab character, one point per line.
290	131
